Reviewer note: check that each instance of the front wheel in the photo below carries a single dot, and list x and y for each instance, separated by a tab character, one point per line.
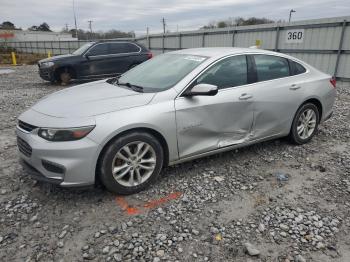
65	77
131	163
305	124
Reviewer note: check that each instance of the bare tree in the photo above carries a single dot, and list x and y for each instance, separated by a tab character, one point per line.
238	21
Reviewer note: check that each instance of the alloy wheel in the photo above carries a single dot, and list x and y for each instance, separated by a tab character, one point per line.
306	123
133	164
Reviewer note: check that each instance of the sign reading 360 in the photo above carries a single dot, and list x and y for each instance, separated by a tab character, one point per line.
295	36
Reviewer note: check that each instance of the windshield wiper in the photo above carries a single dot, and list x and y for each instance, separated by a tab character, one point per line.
133	87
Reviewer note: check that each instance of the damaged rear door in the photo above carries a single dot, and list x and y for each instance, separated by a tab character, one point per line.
206	123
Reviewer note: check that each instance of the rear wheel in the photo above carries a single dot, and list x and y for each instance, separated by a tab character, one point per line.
305	124
131	163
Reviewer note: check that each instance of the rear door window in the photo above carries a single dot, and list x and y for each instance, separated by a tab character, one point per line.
228	72
270	67
123	48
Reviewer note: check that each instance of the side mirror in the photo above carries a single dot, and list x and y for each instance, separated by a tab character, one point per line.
202	90
87	56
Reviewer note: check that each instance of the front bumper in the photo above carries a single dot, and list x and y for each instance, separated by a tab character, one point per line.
33	172
47	73
67	164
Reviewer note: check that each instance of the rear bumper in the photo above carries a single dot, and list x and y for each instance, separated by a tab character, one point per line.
328	116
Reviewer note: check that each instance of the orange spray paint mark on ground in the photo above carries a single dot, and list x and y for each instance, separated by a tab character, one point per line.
141	208
125	206
157	202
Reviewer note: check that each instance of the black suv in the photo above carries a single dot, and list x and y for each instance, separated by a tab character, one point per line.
94	60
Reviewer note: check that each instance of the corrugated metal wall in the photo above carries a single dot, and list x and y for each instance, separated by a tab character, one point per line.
320	45
325	45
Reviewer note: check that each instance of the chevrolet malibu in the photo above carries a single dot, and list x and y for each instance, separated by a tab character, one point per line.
173	108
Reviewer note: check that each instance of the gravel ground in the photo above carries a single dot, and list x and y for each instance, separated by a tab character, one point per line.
268	202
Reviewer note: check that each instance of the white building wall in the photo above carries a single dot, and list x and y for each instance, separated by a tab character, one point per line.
27	36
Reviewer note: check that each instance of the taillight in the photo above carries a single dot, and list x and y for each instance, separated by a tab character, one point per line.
333	81
149	55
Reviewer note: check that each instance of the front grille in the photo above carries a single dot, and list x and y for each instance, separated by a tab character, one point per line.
24	147
25	126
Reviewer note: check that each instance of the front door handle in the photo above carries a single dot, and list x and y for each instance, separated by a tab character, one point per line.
245	96
294	87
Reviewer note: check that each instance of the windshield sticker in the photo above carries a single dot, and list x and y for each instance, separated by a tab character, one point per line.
195	58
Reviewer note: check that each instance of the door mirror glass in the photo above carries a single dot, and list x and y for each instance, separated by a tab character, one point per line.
202	90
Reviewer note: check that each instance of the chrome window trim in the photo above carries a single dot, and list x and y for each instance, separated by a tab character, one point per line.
230	88
140	49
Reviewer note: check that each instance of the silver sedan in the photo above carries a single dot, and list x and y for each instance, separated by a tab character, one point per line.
173	108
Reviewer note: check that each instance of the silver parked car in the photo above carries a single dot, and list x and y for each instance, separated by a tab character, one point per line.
173	108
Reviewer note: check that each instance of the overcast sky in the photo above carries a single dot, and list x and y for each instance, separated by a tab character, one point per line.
136	15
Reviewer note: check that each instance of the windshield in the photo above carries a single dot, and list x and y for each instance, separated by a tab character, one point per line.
82	49
161	72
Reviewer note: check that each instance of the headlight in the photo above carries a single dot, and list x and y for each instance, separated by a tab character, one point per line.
47	64
69	134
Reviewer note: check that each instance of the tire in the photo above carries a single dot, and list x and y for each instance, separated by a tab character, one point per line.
65	77
112	160
304	135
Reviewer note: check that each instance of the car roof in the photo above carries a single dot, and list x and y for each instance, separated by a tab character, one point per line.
222	51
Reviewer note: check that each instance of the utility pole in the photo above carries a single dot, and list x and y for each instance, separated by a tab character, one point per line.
164	24
147	31
66	27
75	20
290	14
90	25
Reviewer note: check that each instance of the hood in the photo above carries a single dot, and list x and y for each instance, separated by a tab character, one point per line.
90	99
57	57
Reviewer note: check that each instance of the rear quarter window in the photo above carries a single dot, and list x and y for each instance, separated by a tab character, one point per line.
296	68
131	48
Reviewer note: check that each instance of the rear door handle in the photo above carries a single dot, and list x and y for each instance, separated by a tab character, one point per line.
245	96
294	87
